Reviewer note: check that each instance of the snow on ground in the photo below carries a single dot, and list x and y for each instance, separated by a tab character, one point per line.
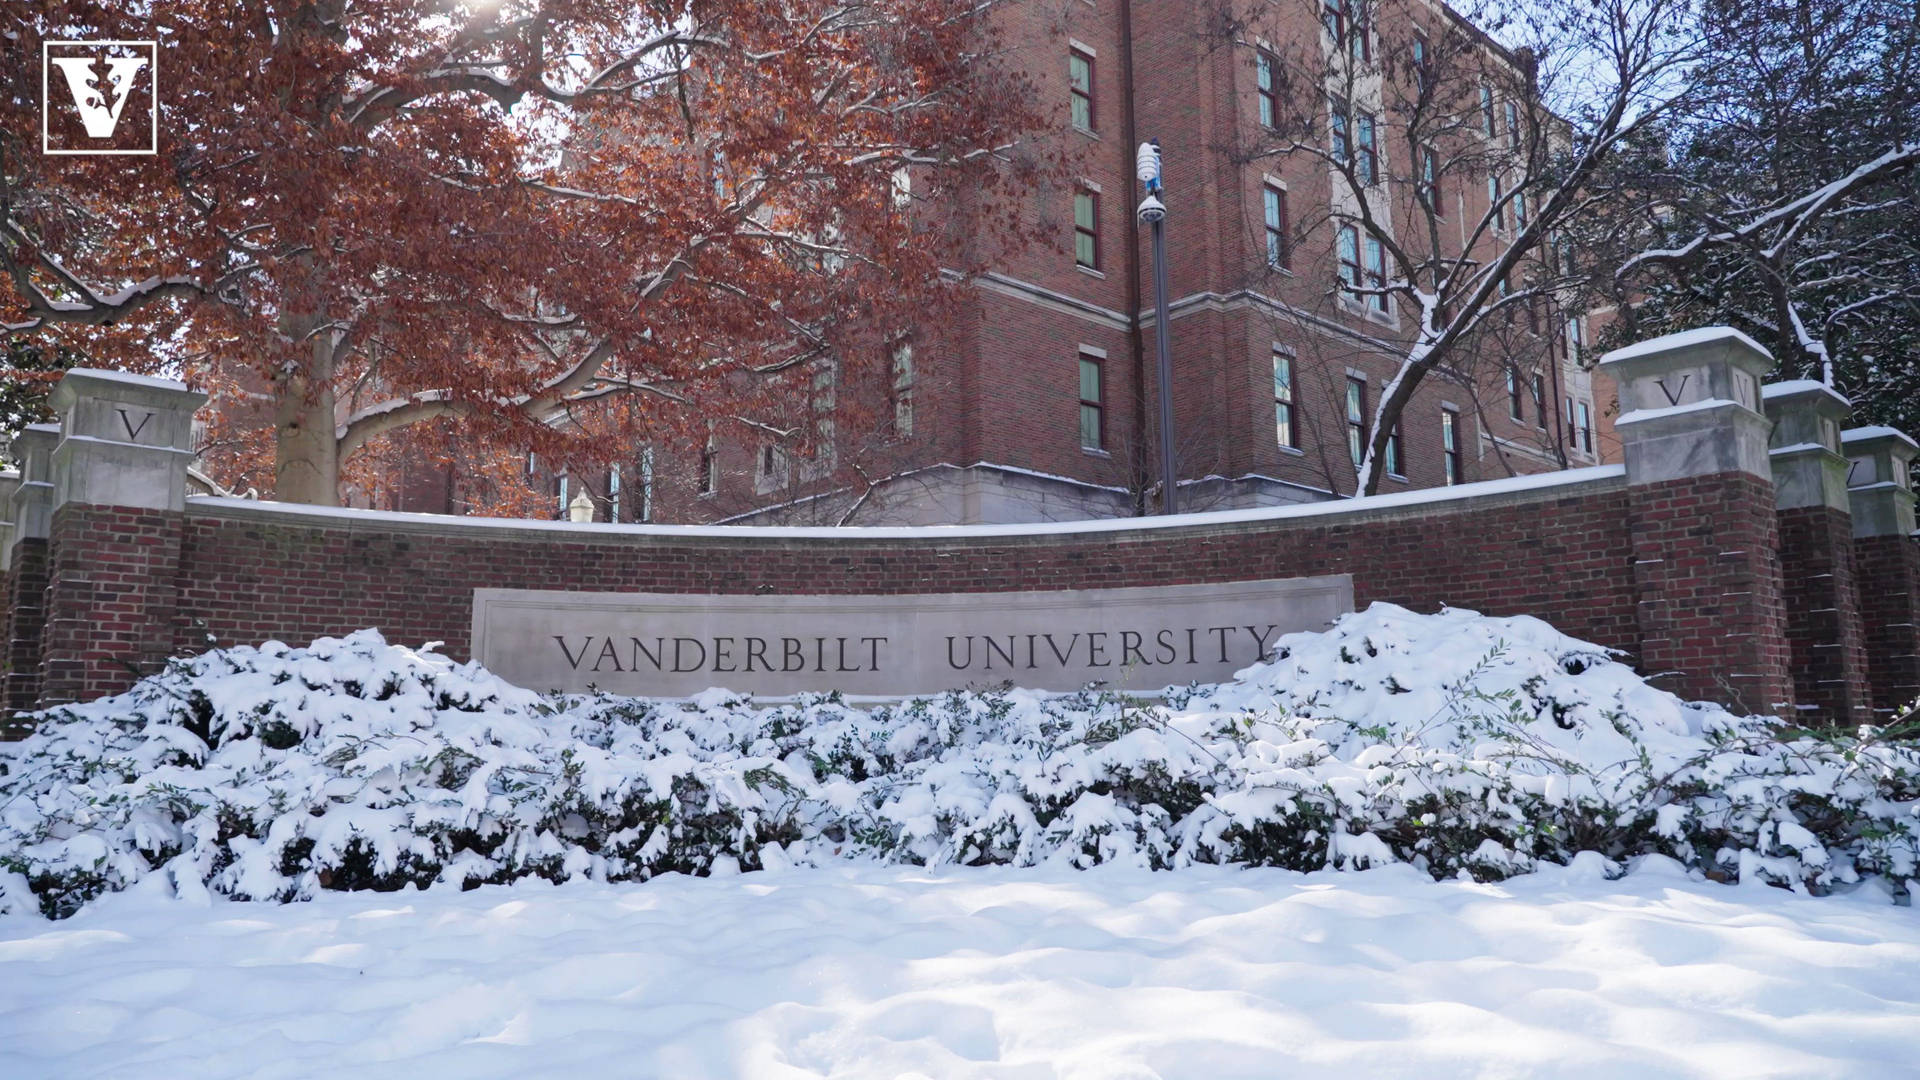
871	971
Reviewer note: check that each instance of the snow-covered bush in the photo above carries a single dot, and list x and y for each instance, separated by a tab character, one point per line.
1456	742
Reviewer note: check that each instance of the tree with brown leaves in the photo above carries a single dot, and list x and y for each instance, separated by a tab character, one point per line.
369	215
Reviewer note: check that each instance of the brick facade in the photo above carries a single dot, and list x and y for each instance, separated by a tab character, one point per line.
26	617
1824	629
1887	573
1560	554
997	380
1710	602
112	598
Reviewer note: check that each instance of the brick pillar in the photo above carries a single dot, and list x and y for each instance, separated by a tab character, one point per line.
1816	551
1706	569
30	507
119	492
1886	562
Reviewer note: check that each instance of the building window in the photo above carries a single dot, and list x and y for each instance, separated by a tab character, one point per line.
1395	467
1287	433
1450	445
1368	165
1513	125
768	476
1486	109
613	493
709	475
1265	78
1333	15
1350	260
1376	275
1586	428
561	482
1573	433
1494	205
1515	408
825	405
1337	120
1574	342
1540	398
1519	209
1422	71
1080	88
1356	418
1429	186
903	389
1086	228
1275	207
1093	403
645	513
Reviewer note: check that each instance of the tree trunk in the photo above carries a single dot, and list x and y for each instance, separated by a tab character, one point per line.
306	465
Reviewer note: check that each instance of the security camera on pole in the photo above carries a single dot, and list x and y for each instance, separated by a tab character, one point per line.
1154	212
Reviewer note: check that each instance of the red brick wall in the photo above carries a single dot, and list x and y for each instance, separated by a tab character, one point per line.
249	576
1823	622
1705	562
112	599
26	615
1887	572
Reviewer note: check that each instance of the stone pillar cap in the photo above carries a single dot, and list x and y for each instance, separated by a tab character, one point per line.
1692	347
122	386
1865	437
1824	398
44	434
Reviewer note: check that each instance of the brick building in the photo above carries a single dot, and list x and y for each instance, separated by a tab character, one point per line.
1037	400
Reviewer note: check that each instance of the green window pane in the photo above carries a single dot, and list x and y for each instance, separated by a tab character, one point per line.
1089	380
1089	426
1083	210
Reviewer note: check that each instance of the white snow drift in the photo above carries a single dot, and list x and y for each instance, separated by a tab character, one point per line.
1452	742
959	973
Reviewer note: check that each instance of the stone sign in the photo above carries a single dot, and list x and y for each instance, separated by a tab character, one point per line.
670	644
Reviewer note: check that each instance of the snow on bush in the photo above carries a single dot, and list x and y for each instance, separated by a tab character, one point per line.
1454	742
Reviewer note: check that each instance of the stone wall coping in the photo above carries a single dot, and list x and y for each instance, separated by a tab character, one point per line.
1874	433
1824	397
1488	494
120	386
1687	339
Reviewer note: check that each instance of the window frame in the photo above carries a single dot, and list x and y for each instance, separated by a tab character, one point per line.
900	387
1586	428
1357	433
1088	359
1396	463
1453	461
1340	129
1496	202
1346	236
1540	399
1078	95
1516	404
1366	147
1267	88
1286	416
1427	186
1375	269
1487	110
1091	234
707	480
1273	217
